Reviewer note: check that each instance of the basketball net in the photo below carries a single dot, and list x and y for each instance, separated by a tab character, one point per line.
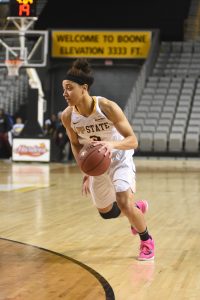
13	66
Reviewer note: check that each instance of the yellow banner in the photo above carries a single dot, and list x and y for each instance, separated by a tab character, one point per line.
101	44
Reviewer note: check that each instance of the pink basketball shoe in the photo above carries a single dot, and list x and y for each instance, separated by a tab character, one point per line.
143	206
147	250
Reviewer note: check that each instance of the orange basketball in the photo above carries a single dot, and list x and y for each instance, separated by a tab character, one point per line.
91	161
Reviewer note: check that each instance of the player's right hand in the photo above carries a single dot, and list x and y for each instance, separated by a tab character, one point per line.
85	185
105	145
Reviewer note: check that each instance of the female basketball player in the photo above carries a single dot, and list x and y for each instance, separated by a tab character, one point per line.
101	121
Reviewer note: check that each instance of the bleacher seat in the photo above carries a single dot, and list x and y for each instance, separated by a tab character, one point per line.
195	109
181	115
153	79
187	46
147	97
142	108
160	142
175	85
165	122
157	103
176	142
151	85
155	108
171	103
139	115
193	129
167	115
194	115
186	91
151	122
163	128
148	128
182	109
177	129
172	97
153	115
176	47
146	141
169	109
165	47
192	142
180	123
137	122
149	91
163	84
165	79
159	97
194	122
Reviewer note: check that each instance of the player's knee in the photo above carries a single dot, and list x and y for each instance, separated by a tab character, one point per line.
123	206
123	202
111	214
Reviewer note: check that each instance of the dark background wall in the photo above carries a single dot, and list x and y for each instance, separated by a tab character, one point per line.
169	16
112	82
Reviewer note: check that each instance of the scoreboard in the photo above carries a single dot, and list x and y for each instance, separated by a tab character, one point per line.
23	8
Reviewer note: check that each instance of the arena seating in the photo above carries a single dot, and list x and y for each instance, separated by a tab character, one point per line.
13	91
164	105
166	118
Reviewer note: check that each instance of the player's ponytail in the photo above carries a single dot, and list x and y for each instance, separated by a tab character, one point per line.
80	72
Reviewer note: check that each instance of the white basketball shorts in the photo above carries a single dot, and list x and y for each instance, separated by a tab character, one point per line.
119	178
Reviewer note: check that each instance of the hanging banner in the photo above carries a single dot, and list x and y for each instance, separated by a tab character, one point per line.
100	44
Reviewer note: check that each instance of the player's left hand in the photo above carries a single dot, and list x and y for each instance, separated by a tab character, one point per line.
85	185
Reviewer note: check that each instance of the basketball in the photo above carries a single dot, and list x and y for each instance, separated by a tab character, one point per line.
91	161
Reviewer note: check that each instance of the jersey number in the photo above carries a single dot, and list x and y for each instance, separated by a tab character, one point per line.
95	138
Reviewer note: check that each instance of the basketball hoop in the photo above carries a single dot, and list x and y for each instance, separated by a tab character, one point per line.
13	66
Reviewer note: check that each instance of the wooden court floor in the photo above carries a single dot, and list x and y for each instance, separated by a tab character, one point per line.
54	245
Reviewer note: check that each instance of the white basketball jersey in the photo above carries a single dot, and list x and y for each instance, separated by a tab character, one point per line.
96	127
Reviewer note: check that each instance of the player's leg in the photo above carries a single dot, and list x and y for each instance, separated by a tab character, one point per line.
136	219
113	211
124	206
104	197
123	178
143	206
105	194
135	215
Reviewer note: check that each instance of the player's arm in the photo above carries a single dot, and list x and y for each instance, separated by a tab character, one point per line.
66	120
75	145
114	113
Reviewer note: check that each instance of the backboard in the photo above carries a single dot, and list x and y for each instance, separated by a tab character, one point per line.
30	46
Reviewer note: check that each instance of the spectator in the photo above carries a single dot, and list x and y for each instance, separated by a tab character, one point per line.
17	127
61	138
53	119
47	128
5	127
60	146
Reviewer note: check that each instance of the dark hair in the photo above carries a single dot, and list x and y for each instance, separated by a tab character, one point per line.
80	72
